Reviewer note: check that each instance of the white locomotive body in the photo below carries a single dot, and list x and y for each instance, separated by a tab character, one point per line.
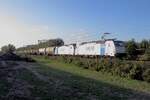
90	48
65	50
49	50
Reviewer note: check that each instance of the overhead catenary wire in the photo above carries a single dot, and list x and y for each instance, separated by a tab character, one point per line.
82	37
78	37
85	37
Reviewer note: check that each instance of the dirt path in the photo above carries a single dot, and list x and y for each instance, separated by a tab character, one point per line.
30	68
20	89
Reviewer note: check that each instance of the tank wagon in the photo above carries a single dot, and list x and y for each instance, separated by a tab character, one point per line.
34	51
94	48
42	51
49	51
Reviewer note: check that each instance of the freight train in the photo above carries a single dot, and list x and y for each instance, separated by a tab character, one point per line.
108	47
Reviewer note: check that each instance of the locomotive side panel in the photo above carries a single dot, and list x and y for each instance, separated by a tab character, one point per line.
65	50
88	49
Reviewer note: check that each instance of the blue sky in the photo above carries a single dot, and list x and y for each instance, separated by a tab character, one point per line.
26	21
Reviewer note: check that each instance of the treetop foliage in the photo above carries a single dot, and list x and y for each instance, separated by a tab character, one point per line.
8	48
52	42
49	43
133	49
145	44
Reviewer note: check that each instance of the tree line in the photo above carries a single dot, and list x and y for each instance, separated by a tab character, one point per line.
48	43
138	50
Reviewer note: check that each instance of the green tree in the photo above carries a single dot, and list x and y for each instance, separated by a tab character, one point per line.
131	48
144	44
146	56
8	48
149	43
51	42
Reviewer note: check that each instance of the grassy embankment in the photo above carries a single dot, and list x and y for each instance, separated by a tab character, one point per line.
52	80
82	82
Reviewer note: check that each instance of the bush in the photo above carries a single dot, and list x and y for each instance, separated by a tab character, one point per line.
62	58
145	57
123	69
131	47
100	65
133	70
146	75
106	65
69	60
136	72
116	66
88	64
78	62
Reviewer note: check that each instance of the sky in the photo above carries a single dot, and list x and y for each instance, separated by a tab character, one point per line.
24	22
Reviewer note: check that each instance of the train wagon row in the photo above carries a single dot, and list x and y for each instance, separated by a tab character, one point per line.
93	48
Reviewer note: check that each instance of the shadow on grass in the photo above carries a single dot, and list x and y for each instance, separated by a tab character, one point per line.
69	86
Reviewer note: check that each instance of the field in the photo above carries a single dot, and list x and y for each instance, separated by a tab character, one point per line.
52	80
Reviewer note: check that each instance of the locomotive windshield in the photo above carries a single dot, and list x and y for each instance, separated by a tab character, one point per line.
119	43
